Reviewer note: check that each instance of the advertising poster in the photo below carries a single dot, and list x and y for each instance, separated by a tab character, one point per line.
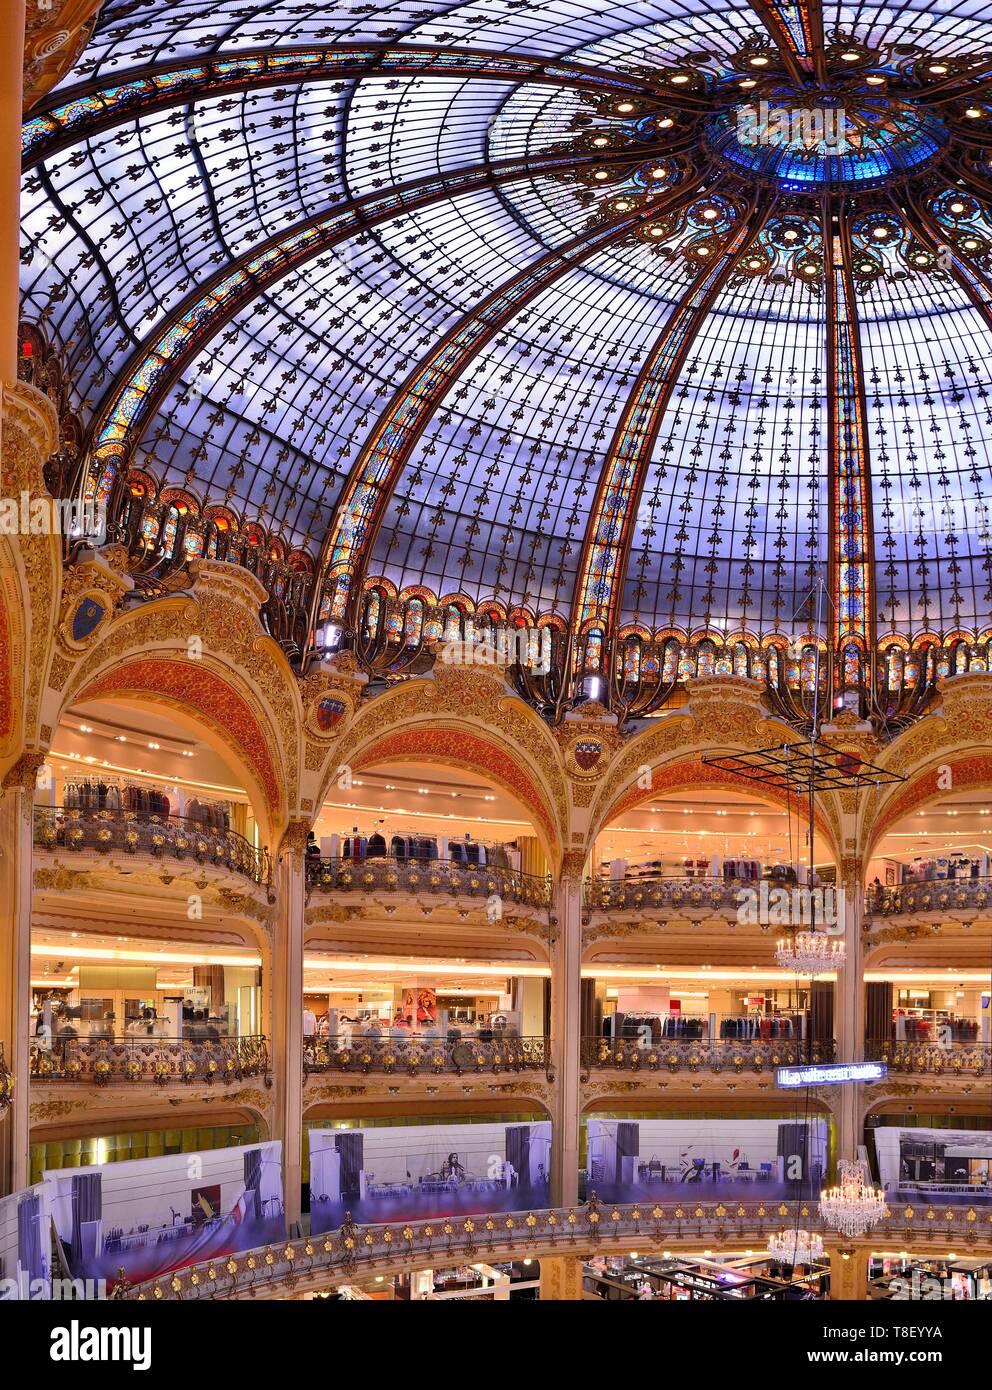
154	1215
411	1172
748	1160
419	1007
935	1165
26	1245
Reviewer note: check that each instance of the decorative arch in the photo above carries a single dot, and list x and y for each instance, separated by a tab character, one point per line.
468	719
213	705
969	771
470	750
691	773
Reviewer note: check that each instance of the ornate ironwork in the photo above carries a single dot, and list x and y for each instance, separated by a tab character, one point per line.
162	837
154	1061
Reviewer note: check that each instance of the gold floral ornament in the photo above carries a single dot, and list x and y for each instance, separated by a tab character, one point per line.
175	1284
407	1233
657	1213
232	1267
531	1220
251	1262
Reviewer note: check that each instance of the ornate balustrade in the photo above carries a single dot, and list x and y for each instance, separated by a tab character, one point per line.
930	1058
962	895
429	1056
698	896
163	837
357	1252
672	1055
159	1061
437	876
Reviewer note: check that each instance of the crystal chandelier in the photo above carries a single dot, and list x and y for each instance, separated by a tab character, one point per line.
809	953
796	1247
853	1206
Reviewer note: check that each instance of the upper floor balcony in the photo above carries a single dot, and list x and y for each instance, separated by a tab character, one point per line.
122	837
670	1056
130	1061
424	1055
662	895
427	876
962	899
952	1060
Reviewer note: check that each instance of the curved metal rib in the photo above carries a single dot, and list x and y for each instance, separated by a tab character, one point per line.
607	542
796	29
381	461
137	392
87	109
851	581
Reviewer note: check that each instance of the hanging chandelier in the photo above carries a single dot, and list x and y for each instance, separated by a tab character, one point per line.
853	1207
796	1247
809	953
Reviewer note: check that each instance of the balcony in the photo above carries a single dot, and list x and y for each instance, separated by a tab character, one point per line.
692	899
670	1056
130	835
963	898
426	1056
150	1061
438	877
931	1059
294	1266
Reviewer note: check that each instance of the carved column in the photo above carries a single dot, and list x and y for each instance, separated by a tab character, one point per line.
11	90
848	1273
566	1011
561	1280
287	1008
16	852
850	1007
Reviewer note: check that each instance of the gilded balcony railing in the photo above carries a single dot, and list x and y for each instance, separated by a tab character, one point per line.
719	895
356	1252
156	1061
417	1056
163	837
440	876
703	1057
931	1058
931	895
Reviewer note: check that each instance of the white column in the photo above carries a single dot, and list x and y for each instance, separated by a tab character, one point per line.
849	1010
287	1012
16	856
566	962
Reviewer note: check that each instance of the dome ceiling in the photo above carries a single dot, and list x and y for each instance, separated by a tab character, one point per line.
502	300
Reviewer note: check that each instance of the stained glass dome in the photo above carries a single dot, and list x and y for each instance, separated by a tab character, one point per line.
506	309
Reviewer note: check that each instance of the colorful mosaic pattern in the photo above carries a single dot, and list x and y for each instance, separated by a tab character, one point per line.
851	572
876	140
623	476
796	27
200	690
